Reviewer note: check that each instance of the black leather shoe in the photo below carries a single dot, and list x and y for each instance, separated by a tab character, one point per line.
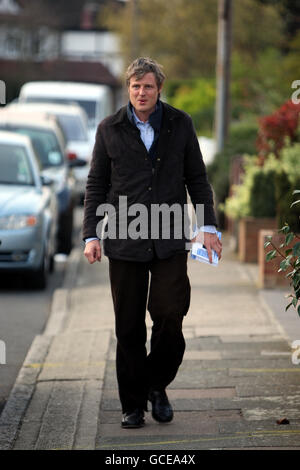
161	409
133	419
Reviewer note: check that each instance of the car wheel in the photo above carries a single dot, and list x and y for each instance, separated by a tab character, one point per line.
51	264
81	199
39	277
65	239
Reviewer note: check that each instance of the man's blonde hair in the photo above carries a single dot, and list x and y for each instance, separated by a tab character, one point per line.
139	67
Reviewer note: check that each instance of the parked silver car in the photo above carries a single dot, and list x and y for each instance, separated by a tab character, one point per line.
74	123
28	211
49	143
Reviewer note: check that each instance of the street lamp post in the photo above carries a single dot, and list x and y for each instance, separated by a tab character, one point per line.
134	30
222	116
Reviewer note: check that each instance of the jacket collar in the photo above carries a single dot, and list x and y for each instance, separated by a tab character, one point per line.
154	119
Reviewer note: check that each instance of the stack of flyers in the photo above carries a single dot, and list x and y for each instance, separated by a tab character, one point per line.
199	252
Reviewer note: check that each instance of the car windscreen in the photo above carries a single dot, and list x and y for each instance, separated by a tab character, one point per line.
72	128
45	145
14	165
88	105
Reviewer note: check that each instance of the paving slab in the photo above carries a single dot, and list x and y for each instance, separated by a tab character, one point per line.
184	424
60	418
87	421
257	390
174	394
263	426
204	442
76	355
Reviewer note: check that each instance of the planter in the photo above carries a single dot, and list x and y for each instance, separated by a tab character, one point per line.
269	277
249	228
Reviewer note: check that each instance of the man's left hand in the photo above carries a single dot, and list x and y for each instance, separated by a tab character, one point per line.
211	242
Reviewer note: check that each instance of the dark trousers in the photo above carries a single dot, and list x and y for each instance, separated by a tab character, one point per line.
168	302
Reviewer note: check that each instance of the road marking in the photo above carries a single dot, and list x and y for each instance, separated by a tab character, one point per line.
245	369
64	364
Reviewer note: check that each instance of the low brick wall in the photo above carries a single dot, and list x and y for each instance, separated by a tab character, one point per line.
249	228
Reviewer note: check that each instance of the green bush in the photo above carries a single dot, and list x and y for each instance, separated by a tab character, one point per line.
262	198
290	157
241	140
196	97
266	191
238	204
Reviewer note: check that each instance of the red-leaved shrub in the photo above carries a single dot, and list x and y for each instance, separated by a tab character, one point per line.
274	129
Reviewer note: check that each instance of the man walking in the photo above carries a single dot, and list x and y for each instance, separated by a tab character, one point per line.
148	151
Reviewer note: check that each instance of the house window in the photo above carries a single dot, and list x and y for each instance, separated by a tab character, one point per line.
12	45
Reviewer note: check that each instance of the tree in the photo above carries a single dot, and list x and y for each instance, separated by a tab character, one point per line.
182	34
289	11
174	33
256	27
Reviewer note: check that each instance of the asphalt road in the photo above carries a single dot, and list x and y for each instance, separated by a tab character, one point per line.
23	314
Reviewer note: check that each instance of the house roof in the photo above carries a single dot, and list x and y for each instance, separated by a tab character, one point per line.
65	70
58	14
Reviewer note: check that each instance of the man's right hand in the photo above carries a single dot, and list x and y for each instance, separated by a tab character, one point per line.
92	251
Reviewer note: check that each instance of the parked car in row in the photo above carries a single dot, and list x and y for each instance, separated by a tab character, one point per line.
28	211
96	100
50	146
74	123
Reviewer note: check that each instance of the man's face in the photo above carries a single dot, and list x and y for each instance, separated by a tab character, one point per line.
143	93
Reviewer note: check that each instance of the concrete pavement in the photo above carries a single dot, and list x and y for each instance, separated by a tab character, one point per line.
237	378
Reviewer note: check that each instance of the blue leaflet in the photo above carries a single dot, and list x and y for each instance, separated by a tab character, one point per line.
199	253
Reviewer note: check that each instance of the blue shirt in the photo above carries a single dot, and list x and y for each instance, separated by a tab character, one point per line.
146	131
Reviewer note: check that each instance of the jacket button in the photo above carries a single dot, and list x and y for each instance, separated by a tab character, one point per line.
149	249
150	189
